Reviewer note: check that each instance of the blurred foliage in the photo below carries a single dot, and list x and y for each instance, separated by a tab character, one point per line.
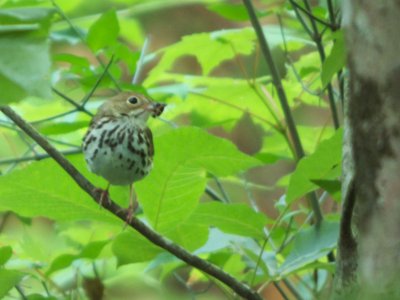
223	130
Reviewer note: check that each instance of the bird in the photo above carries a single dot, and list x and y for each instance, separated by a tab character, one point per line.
118	144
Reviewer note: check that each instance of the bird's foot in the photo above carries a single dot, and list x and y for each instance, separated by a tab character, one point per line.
130	213
104	196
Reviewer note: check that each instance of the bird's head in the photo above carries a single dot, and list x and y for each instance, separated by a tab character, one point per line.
133	105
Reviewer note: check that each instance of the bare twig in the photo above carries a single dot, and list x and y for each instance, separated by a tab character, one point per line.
157	239
140	62
276	79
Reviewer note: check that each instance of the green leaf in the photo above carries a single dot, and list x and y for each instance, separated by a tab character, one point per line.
322	164
333	187
234	12
45	189
183	234
90	251
24	53
62	128
72	59
104	31
5	254
183	156
210	49
311	244
24	67
231	218
8	279
131	247
335	61
26	15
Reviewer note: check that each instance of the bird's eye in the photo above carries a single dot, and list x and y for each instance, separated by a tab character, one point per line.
133	100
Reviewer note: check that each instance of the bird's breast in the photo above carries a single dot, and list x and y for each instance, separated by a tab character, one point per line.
118	150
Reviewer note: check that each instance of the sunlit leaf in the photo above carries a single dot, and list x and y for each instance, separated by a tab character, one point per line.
90	251
231	218
45	189
183	158
24	54
320	164
5	254
8	279
234	12
104	31
335	61
131	247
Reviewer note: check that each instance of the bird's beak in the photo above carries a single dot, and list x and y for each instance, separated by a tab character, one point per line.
155	108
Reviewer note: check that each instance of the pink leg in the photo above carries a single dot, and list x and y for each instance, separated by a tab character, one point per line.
132	204
104	196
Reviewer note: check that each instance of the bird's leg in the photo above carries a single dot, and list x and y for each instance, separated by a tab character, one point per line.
132	204
104	195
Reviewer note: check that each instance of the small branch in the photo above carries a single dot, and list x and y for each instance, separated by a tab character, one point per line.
276	79
36	157
317	37
21	292
213	194
193	260
311	16
140	62
83	40
87	97
78	106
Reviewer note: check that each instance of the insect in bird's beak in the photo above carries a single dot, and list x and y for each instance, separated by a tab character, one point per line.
155	108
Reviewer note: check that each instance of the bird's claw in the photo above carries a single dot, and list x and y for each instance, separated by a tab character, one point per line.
104	196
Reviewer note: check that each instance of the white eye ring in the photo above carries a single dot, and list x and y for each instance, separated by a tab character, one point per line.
133	100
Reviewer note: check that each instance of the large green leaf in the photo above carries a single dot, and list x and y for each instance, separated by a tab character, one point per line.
233	218
183	156
24	54
311	244
335	61
90	251
5	254
45	189
104	31
8	279
210	49
324	163
234	12
131	247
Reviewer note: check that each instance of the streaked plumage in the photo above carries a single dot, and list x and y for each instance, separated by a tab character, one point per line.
118	144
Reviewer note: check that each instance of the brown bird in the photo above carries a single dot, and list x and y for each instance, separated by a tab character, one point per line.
118	144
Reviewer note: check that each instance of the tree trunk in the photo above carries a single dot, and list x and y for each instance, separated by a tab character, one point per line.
369	263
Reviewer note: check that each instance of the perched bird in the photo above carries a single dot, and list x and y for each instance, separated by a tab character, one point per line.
118	144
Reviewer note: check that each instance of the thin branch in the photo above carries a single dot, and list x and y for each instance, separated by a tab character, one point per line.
78	106
282	98
317	37
83	40
36	157
21	292
222	190
280	290
87	97
54	117
213	194
138	225
332	15
276	78
140	62
311	16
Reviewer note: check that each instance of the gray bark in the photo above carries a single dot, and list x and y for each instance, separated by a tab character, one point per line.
373	42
